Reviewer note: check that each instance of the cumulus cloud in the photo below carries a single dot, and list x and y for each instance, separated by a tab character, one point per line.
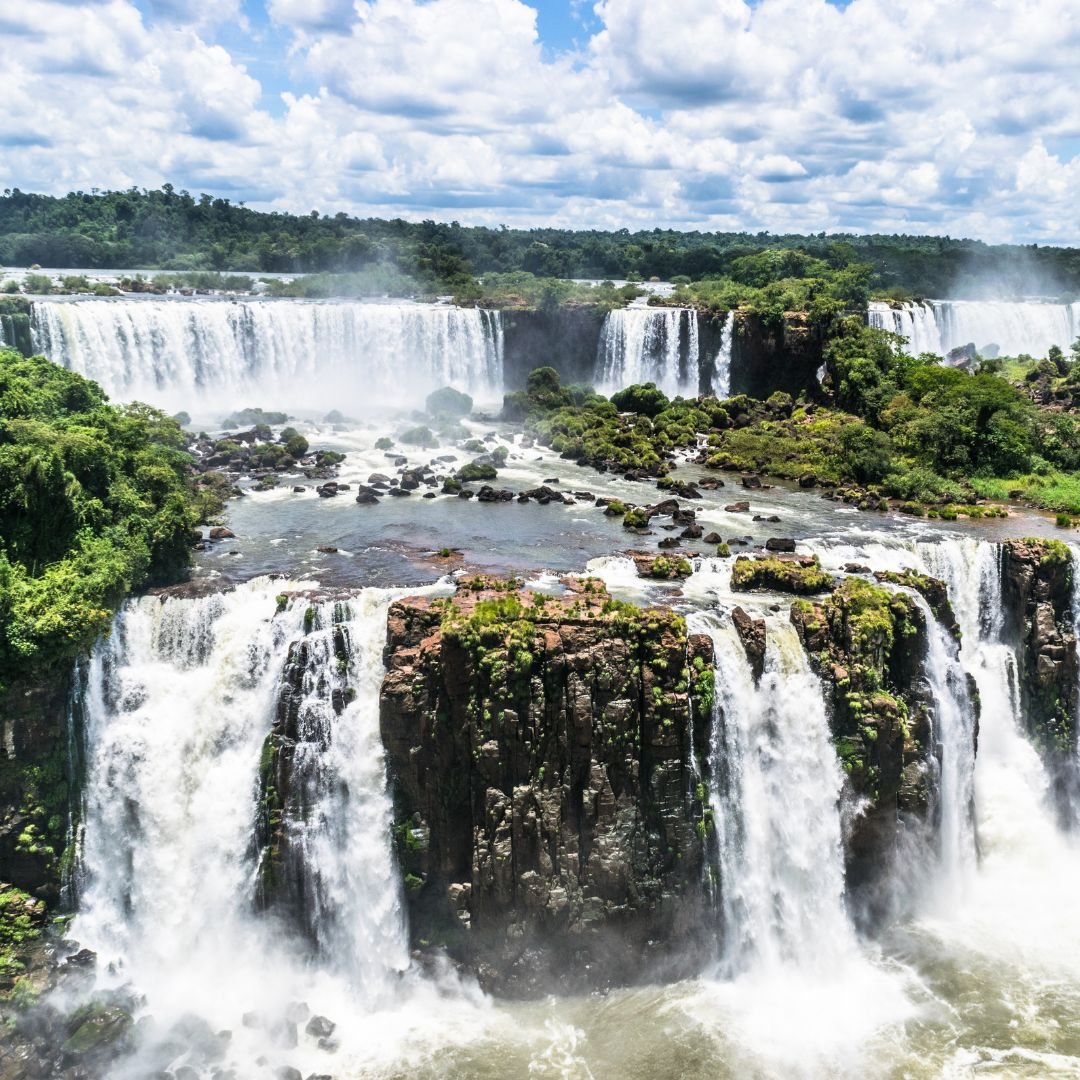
797	115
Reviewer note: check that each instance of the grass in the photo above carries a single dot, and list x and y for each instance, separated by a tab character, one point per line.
1056	491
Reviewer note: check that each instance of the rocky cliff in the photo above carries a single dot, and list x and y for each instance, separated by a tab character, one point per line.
1037	582
544	756
868	645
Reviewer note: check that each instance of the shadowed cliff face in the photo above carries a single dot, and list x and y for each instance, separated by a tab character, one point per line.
1038	598
544	757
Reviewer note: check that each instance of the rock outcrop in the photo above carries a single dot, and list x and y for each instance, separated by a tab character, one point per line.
868	645
541	753
1037	582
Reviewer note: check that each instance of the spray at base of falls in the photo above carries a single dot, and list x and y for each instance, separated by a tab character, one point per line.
305	353
178	705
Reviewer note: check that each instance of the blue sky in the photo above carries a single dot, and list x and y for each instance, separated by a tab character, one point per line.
789	115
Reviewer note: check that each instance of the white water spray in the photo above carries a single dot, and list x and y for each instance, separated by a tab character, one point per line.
178	705
302	353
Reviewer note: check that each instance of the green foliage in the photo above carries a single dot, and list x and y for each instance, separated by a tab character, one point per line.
449	402
94	502
643	398
543	394
780	575
296	446
419	436
251	417
476	471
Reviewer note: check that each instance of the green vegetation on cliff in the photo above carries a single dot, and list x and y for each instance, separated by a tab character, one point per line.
898	426
94	502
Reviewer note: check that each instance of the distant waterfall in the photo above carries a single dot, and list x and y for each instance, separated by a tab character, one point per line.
993	327
273	352
721	385
641	344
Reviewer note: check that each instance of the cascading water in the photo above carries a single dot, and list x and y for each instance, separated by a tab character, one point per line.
721	386
177	352
954	722
939	326
776	804
178	704
649	344
788	946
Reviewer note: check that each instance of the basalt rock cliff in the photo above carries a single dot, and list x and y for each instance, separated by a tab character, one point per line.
544	756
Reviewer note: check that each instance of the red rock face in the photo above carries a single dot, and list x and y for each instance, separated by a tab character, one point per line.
543	781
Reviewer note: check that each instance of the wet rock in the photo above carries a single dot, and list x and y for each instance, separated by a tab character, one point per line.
378	478
400	492
808	480
319	1027
692	532
96	1032
741	507
219	532
751	633
669	542
713	538
410	481
752	482
780	544
772	518
299	489
367	498
287	1072
327	549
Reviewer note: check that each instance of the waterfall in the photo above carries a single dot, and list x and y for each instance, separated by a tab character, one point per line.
178	704
954	719
1008	328
299	353
775	799
721	386
649	344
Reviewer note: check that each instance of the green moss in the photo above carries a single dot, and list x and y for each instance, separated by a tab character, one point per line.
668	568
780	575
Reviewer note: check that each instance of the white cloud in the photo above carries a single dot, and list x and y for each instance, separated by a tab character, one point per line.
786	114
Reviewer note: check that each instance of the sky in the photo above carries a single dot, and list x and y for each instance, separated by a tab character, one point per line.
951	117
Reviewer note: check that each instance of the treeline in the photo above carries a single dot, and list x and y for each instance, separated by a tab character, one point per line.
170	229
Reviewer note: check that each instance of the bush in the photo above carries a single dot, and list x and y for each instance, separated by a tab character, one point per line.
449	402
644	398
476	471
297	446
419	436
